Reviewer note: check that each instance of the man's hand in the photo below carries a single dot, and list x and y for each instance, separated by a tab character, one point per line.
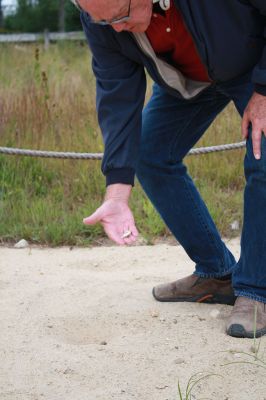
255	114
115	215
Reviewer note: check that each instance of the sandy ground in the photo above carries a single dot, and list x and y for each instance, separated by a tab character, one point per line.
81	324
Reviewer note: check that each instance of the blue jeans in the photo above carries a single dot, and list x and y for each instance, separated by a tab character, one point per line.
171	127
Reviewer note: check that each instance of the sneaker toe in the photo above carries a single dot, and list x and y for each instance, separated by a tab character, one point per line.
162	292
237	330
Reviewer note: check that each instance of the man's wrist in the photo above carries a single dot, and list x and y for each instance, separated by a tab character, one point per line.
118	191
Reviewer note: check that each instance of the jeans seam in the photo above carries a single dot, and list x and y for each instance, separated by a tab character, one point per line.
214	275
205	227
263	152
178	138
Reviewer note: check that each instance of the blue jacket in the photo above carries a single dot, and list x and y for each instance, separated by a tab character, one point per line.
230	36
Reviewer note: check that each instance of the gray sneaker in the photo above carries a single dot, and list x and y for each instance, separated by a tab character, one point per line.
248	319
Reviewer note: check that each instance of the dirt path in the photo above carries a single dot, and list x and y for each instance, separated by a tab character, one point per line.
82	325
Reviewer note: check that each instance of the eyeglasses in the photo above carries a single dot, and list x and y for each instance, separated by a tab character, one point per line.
113	21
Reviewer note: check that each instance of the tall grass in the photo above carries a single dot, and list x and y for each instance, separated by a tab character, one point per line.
47	102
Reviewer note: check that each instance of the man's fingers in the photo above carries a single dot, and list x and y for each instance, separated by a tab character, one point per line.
114	235
130	240
245	126
134	231
131	234
256	142
94	218
130	231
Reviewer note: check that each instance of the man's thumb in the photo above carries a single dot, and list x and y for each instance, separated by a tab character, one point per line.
93	218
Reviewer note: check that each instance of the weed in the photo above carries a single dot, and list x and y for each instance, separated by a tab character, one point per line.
192	384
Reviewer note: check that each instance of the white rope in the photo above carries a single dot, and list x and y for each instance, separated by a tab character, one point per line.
50	154
98	156
222	147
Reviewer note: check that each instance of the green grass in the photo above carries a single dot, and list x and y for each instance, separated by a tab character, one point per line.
47	102
254	359
191	386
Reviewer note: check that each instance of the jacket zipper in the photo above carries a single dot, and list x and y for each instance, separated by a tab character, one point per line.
196	47
153	62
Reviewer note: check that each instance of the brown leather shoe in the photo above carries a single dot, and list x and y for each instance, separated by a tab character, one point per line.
248	319
196	289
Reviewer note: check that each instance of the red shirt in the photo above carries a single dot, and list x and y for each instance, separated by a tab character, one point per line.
171	40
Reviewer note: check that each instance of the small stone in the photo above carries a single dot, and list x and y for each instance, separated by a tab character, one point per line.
253	349
175	321
180	361
22	244
68	371
103	343
50	326
234	225
161	387
96	265
214	313
201	318
155	314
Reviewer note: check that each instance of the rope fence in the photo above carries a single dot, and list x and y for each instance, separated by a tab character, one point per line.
98	156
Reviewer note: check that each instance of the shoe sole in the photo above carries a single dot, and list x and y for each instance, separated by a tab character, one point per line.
237	330
203	298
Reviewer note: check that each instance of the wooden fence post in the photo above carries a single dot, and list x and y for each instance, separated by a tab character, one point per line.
46	39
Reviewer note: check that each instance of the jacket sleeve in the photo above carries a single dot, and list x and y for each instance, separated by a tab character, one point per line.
259	72
120	88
